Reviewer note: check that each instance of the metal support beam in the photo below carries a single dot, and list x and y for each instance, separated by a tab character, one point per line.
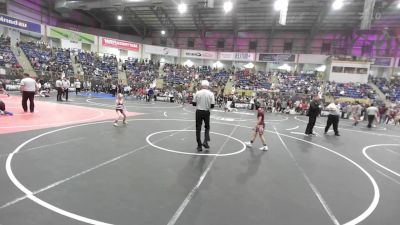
235	28
142	30
368	12
100	21
316	26
272	32
199	24
165	21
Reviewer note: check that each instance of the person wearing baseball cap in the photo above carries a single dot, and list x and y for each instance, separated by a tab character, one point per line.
203	100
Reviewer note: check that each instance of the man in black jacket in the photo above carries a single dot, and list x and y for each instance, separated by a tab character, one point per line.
312	113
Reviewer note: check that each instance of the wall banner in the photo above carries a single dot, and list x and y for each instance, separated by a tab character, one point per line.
237	56
382	62
268	57
159	50
313	59
56	32
114	43
19	24
199	54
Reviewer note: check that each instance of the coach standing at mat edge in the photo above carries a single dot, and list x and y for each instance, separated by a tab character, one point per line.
28	89
204	101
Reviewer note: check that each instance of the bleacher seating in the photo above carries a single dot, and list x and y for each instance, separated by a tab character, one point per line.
350	90
140	73
46	59
391	88
179	75
96	66
299	83
6	55
249	81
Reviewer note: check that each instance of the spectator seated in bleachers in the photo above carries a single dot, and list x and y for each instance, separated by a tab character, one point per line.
350	90
179	75
293	83
96	66
391	88
140	73
45	59
7	57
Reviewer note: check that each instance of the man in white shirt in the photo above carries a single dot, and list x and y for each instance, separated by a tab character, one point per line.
65	84
204	101
77	86
59	88
28	89
372	112
333	118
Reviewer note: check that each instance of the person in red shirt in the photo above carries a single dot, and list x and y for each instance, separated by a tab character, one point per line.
259	129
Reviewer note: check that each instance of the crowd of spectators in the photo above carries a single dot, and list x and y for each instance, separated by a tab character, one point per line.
247	80
350	90
391	88
179	75
293	83
45	59
140	73
98	66
6	55
8	61
186	76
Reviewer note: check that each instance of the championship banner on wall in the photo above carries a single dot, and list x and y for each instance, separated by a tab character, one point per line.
382	62
56	32
114	43
159	50
199	54
237	56
269	57
20	24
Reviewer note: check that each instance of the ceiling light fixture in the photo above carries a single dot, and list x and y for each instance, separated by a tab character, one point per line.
228	6
279	4
337	4
182	8
163	32
119	17
398	5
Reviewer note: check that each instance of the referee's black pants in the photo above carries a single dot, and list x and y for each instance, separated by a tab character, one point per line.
311	123
59	93
200	116
25	96
371	119
66	94
332	120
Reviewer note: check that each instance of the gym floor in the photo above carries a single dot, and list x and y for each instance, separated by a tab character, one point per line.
67	164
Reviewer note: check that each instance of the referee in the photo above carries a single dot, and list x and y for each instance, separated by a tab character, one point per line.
204	101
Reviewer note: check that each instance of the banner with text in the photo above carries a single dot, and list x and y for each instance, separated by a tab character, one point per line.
382	62
237	56
199	54
56	32
159	50
20	24
114	43
269	57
